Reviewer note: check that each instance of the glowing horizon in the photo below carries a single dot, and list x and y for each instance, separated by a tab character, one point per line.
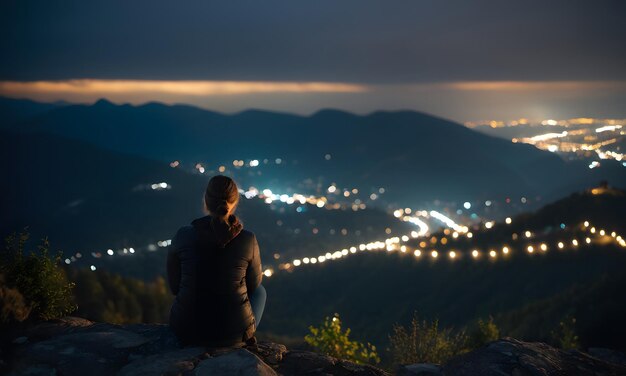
200	88
461	101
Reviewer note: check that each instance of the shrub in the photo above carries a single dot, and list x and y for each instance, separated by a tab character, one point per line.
38	278
331	340
483	333
565	335
13	308
424	342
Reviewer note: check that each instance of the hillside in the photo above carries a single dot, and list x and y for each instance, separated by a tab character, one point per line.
528	293
417	157
87	199
13	112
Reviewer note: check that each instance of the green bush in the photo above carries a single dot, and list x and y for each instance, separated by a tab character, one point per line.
38	278
331	340
483	333
425	342
13	308
565	335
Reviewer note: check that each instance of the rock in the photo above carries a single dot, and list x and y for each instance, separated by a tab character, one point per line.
160	338
271	353
299	362
170	363
20	340
98	351
56	327
608	355
240	362
74	346
509	356
420	369
305	362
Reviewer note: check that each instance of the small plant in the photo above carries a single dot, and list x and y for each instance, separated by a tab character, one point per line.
565	335
483	333
13	308
37	277
331	340
424	342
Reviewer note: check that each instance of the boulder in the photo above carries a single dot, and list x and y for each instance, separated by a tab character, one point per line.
509	356
240	362
74	346
420	369
169	363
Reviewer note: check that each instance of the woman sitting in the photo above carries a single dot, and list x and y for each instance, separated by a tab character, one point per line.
214	269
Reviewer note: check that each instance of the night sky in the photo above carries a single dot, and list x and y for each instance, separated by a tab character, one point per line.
464	60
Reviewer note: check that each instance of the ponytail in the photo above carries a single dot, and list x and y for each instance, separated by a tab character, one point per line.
220	199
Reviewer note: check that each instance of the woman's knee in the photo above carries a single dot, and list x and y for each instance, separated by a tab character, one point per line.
259	294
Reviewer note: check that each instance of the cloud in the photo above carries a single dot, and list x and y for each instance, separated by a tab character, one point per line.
460	100
88	88
533	85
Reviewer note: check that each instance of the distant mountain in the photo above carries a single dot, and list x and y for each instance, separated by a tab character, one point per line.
416	157
86	199
15	111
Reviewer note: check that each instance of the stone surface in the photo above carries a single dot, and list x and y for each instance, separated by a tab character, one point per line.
169	363
423	369
271	353
608	355
309	363
74	346
240	362
509	356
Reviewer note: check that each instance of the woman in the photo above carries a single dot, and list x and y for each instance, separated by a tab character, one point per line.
214	269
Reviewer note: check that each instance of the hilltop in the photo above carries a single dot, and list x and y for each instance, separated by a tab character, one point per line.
74	346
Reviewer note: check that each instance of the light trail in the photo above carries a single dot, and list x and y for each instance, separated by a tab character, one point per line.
448	221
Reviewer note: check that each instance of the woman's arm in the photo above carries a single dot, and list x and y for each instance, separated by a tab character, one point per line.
173	270
254	273
173	262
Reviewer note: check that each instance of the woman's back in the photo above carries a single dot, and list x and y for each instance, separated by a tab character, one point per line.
212	282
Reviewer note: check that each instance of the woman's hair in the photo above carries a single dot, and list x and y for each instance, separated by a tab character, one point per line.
221	197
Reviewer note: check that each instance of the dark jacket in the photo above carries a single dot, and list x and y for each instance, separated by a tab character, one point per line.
211	284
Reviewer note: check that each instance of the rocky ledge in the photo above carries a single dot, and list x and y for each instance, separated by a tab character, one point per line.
75	346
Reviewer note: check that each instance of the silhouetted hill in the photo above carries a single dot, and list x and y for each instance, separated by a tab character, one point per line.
417	157
15	111
88	199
